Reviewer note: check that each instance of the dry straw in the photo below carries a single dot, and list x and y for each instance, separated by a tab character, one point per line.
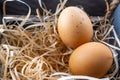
35	52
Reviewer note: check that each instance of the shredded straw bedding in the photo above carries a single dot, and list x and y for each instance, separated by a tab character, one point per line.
36	52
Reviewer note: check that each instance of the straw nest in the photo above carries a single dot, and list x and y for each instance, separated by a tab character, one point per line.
33	50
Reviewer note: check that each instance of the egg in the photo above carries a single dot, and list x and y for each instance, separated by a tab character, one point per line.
91	59
74	27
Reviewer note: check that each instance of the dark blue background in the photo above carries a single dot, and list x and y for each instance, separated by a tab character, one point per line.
0	11
92	7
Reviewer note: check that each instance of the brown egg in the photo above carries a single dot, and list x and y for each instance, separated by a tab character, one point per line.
91	59
74	27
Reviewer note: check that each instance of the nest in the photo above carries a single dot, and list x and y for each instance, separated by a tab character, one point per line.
34	51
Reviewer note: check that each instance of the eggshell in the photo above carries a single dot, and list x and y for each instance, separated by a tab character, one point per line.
74	27
91	59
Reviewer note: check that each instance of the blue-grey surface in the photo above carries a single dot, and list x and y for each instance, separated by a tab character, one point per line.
116	20
116	23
